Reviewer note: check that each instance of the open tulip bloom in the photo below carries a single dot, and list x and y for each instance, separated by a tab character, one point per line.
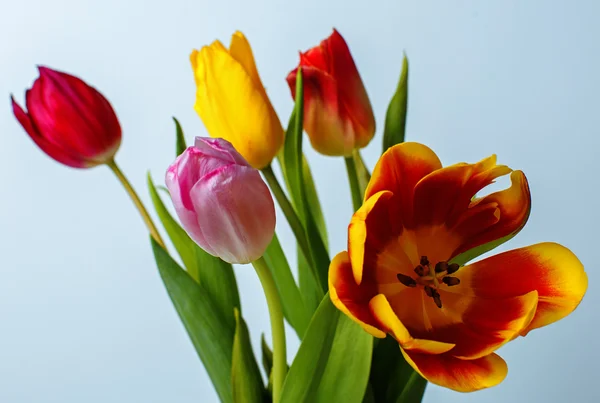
412	274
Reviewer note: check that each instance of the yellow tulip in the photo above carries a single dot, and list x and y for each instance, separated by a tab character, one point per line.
232	102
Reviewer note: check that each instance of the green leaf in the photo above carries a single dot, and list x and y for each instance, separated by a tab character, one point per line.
294	309
267	356
211	336
247	384
294	174
313	200
392	378
395	118
362	172
180	144
333	361
310	291
216	276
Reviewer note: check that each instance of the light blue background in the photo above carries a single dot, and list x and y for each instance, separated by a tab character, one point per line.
83	314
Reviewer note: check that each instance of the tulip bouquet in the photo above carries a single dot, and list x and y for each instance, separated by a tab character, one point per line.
407	302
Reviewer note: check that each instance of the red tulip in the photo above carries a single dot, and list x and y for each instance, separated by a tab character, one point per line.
69	120
338	117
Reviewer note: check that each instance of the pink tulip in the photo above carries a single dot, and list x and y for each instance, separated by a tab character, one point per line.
222	202
69	120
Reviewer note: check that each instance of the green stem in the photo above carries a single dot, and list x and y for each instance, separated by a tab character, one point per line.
288	211
277	327
136	200
353	179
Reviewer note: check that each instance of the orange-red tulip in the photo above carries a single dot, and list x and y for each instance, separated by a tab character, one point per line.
337	113
402	273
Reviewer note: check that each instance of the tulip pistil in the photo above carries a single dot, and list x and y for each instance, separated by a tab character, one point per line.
431	278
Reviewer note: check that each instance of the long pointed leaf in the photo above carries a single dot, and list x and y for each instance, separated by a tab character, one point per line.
211	336
293	305
333	361
319	259
180	142
395	117
247	384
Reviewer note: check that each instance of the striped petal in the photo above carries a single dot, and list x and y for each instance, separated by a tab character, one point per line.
478	326
398	170
548	268
459	375
494	219
382	311
370	229
350	298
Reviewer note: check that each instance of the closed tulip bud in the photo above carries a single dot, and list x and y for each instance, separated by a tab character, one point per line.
69	120
232	102
222	202
338	117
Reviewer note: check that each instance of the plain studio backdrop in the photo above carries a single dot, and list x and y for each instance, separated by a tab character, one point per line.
84	316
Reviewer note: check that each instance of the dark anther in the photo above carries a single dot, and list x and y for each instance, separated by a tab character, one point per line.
452	268
420	270
428	291
451	280
437	299
406	280
441	267
424	261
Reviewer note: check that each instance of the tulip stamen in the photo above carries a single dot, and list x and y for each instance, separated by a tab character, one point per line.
406	280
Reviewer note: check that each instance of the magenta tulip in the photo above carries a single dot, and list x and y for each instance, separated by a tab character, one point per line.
222	202
69	120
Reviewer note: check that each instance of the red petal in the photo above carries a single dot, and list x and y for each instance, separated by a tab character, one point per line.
372	227
351	298
477	326
49	148
507	211
456	374
398	170
548	268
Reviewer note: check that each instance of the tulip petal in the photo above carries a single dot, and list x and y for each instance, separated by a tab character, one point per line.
240	50
49	148
357	106
382	311
444	195
233	107
398	170
233	227
499	216
350	298
548	268
327	131
179	181
456	374
370	230
71	112
478	326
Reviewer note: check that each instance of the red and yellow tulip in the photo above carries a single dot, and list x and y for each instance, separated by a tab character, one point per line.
338	117
402	273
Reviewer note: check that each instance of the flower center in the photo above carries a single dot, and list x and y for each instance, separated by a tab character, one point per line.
431	278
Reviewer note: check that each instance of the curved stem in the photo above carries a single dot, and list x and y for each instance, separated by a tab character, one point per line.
277	328
136	200
288	211
353	179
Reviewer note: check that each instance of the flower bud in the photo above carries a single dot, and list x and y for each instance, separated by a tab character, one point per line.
222	202
338	117
69	120
232	102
